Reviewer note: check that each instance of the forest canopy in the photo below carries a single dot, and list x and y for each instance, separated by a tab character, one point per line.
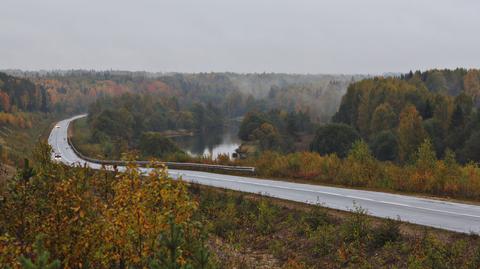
394	115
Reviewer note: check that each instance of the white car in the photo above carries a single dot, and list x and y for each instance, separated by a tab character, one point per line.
57	126
57	157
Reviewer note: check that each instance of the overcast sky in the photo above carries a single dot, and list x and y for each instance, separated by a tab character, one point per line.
293	36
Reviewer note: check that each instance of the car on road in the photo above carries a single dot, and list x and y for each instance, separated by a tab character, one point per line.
57	126
57	157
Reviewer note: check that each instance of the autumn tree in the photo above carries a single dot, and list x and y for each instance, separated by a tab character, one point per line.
4	102
361	166
268	136
436	82
410	132
383	118
471	83
90	220
140	212
251	122
364	113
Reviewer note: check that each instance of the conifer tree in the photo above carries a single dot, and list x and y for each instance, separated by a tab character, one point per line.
42	257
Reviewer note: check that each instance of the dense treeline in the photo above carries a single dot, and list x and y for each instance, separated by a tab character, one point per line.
45	95
17	94
395	115
203	99
449	82
235	94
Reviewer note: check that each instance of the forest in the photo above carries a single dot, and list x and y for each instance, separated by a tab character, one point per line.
38	98
122	106
395	115
414	133
234	93
128	122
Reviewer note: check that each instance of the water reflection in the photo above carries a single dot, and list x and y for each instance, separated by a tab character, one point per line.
213	142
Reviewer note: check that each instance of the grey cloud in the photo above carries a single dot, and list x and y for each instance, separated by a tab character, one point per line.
295	36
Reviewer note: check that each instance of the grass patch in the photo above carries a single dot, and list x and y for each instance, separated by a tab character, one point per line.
315	237
17	143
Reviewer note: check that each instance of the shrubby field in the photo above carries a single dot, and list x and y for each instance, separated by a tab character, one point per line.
64	217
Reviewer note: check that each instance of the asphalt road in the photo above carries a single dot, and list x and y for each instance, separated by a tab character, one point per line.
430	212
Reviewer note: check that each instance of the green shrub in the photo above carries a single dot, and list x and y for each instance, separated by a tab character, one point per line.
316	217
324	239
277	248
429	254
475	261
357	226
457	254
388	231
226	220
266	217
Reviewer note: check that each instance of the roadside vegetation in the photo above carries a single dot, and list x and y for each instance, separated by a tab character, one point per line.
67	217
280	234
425	175
98	219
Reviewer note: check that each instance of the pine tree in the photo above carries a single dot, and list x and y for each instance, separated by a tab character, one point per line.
42	260
172	241
201	255
427	110
458	118
27	172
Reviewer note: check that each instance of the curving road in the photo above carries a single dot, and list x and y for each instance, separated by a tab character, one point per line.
435	213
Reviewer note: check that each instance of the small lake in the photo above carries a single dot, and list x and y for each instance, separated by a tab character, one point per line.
214	142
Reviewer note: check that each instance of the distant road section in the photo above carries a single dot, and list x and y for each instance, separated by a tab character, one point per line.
429	212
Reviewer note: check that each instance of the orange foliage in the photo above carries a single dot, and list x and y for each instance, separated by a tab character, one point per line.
4	101
14	120
442	177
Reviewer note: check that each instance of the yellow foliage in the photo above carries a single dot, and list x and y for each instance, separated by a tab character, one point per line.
103	217
427	175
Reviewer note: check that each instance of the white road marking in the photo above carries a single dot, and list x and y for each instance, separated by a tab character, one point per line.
335	194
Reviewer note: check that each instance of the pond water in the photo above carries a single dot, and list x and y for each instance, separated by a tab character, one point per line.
213	142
